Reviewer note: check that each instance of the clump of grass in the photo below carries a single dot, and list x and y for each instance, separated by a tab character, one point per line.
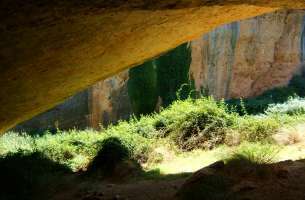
251	158
254	153
290	135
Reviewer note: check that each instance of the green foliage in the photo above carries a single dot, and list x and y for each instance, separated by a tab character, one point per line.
256	128
204	127
294	106
253	154
13	142
252	159
142	88
190	124
112	152
166	76
75	149
173	73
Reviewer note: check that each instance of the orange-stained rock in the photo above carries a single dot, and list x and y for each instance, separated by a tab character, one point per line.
50	50
246	58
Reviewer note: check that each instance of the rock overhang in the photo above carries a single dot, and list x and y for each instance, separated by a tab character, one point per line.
50	50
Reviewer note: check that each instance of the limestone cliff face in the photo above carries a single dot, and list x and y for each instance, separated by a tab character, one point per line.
109	101
246	58
241	59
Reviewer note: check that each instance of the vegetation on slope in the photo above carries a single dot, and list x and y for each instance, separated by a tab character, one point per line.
189	124
184	126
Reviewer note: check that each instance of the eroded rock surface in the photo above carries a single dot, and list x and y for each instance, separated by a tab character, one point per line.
241	59
246	58
50	50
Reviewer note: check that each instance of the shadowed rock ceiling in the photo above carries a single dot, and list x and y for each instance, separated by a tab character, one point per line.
49	50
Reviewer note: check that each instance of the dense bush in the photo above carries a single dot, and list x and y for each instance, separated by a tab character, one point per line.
291	107
203	126
256	128
163	77
112	152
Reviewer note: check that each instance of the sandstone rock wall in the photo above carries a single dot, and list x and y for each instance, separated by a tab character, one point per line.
247	58
241	59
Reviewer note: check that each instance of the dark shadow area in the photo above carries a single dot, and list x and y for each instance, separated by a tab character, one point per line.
23	175
59	8
130	4
112	153
241	178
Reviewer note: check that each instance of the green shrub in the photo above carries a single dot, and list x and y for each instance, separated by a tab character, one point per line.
256	128
112	152
197	123
293	106
190	124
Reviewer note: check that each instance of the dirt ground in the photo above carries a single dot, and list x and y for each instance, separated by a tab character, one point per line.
283	181
138	190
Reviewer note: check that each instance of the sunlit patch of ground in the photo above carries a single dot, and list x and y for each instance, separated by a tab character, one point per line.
188	161
197	159
292	152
